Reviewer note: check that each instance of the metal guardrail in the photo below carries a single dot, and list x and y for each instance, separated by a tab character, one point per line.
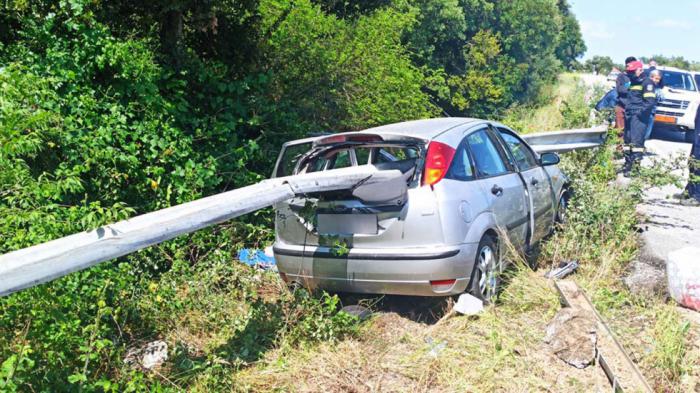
565	141
44	262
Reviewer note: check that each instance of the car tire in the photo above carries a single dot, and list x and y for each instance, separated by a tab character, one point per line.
485	280
562	206
690	136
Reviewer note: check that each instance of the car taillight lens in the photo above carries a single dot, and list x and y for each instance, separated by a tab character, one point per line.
437	162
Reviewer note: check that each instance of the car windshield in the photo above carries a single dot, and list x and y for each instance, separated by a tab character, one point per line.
697	79
678	80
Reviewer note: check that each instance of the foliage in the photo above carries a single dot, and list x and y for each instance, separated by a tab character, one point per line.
565	105
112	109
529	39
672	61
671	353
599	64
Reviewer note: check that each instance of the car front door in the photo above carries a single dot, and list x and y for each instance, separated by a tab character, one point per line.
500	183
537	181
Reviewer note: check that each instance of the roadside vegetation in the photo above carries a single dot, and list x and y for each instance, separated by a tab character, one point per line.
112	109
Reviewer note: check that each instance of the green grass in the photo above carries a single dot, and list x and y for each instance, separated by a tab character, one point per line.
564	105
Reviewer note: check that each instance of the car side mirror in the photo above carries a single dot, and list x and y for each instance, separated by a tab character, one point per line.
549	159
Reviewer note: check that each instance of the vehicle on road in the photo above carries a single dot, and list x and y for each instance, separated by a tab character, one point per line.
435	230
680	100
612	76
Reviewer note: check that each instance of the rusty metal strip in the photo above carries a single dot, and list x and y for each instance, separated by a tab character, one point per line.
623	374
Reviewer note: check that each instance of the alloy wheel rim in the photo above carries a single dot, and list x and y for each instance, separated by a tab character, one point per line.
487	276
562	210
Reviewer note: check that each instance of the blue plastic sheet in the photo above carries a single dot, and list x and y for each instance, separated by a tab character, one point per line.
256	258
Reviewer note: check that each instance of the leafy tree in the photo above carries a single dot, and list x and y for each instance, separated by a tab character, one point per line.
673	61
571	45
599	64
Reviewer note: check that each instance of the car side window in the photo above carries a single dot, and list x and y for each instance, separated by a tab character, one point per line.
461	167
340	159
522	154
486	156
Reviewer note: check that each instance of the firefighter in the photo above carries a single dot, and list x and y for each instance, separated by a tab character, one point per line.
622	84
641	98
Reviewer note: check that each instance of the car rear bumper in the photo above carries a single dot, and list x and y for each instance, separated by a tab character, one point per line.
406	271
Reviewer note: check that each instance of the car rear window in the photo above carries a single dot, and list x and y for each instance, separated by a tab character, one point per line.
290	157
678	80
392	153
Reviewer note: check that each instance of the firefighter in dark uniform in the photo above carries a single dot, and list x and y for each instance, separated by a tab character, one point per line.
622	85
641	99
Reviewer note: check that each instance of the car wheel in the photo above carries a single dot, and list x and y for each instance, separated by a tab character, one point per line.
484	281
562	206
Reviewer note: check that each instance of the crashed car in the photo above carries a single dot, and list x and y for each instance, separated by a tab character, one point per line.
432	230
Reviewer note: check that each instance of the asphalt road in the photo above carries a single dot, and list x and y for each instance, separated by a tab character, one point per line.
670	224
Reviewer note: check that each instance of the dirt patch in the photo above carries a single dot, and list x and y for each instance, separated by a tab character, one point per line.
572	337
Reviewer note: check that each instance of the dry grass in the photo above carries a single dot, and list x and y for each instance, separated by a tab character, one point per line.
499	350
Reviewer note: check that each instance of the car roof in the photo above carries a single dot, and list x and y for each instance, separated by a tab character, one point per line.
667	68
424	128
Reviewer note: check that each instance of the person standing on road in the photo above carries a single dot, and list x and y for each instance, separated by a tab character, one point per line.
622	84
693	187
656	77
640	101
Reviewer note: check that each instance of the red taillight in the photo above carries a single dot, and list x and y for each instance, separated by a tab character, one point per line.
437	162
440	283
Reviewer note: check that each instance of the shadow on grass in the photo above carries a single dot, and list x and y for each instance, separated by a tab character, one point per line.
422	309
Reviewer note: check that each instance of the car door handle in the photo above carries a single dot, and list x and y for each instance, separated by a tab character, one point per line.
496	190
534	181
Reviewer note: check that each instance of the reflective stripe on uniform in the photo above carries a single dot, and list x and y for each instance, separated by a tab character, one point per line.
649	95
636	87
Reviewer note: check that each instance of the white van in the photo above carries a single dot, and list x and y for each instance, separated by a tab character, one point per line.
680	100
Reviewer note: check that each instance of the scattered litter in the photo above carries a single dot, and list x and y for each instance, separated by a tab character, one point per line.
257	258
563	270
469	305
149	356
684	277
435	346
359	311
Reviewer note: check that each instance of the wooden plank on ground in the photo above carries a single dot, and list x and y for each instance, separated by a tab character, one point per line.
623	374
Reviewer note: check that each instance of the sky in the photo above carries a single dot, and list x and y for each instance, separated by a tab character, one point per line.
619	28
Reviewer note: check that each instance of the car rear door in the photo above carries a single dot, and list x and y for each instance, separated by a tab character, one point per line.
539	188
500	183
365	216
290	154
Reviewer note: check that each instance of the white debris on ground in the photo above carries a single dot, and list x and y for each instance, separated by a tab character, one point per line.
469	305
148	356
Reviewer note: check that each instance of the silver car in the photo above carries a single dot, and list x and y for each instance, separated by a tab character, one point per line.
434	231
